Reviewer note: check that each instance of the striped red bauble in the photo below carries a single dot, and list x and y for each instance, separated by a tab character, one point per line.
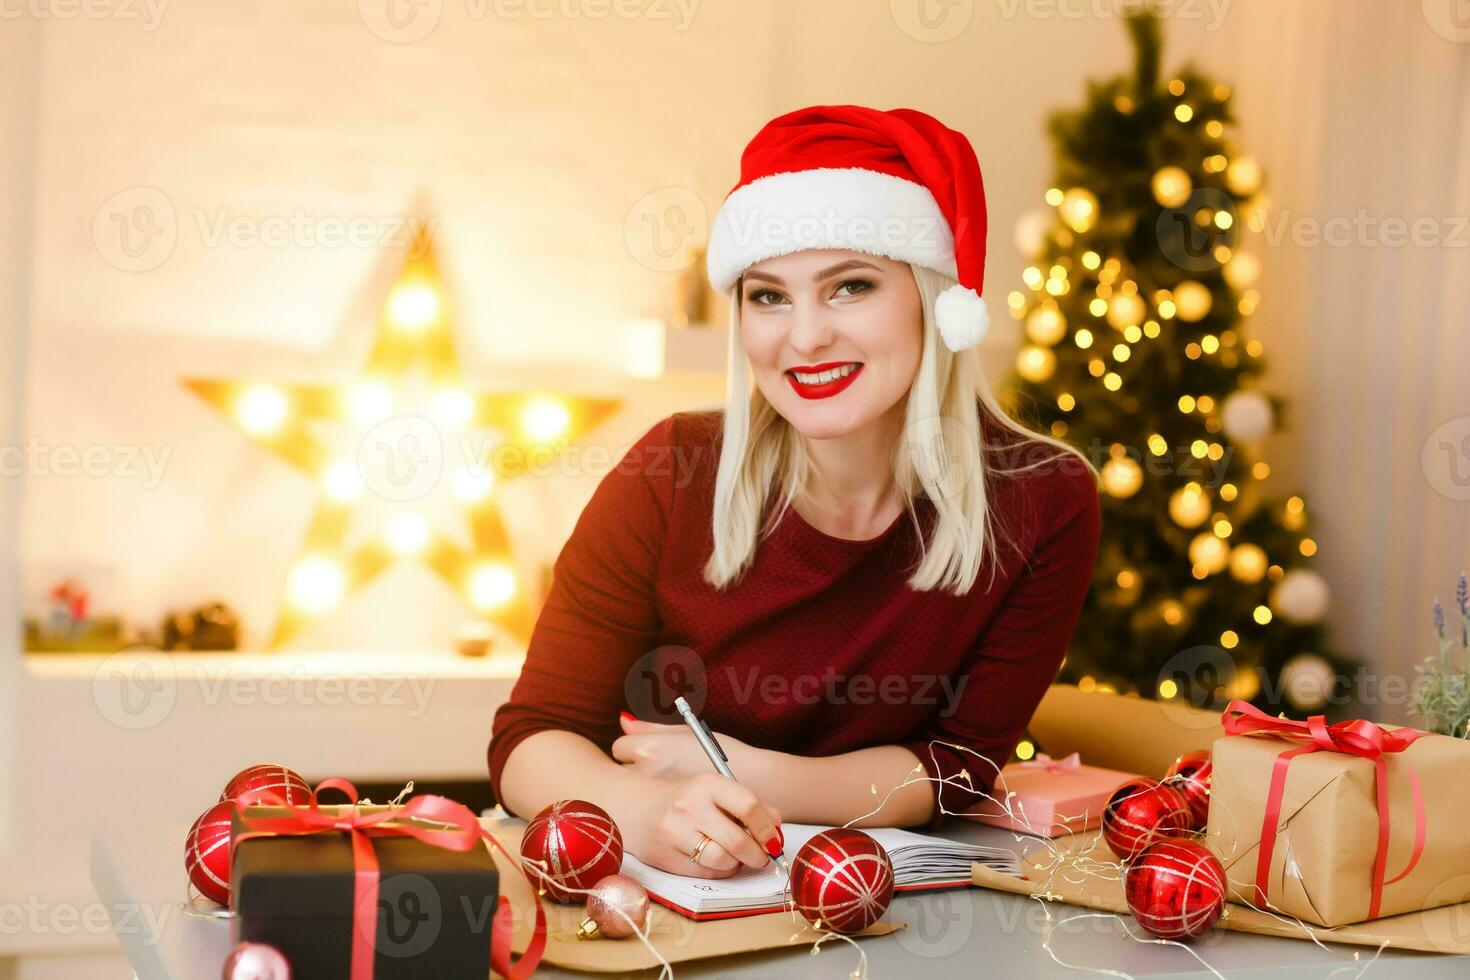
841	880
1190	775
252	785
1141	812
207	852
1175	889
572	844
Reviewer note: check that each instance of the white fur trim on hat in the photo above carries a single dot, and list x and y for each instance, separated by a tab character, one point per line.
839	208
962	318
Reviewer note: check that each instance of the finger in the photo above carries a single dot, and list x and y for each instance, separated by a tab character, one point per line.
714	862
742	804
628	748
731	835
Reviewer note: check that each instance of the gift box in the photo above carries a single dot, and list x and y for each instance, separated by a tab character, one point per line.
1338	824
432	916
1051	797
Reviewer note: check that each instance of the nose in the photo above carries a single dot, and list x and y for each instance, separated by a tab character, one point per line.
811	329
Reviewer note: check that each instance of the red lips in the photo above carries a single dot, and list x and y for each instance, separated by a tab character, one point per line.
827	389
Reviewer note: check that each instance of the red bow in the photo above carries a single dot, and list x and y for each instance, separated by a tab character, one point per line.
459	830
1357	737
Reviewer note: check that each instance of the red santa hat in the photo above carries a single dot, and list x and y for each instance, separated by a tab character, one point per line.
896	183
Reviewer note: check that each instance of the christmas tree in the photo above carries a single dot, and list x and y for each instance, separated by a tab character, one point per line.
1138	300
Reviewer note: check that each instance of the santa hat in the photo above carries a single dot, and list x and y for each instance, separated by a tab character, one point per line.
898	183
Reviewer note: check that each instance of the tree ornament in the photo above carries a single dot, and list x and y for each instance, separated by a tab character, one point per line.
1189	506
572	844
207	852
1122	477
616	908
1301	597
1045	325
1078	209
1192	301
1307	679
841	880
1140	812
1247	415
256	961
248	786
1171	186
1175	889
1209	552
1190	775
1248	563
1242	271
1035	364
1243	176
1125	310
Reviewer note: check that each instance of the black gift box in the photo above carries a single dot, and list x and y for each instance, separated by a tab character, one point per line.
435	909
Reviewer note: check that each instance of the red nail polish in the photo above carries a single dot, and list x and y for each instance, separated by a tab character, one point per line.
774	845
628	715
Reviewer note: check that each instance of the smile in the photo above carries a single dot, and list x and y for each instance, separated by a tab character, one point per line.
823	380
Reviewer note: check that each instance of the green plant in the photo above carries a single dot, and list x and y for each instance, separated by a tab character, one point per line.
1442	693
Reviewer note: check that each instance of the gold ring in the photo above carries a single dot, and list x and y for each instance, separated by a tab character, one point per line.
704	840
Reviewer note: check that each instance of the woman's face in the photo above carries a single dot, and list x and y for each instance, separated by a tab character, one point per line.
833	337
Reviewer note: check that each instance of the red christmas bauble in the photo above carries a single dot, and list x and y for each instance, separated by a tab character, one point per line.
256	961
207	852
1190	775
1175	889
248	785
1141	812
841	880
572	844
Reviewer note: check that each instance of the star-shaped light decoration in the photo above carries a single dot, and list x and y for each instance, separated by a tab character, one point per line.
401	451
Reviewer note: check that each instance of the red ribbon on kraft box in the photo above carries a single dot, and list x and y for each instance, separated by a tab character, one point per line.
1358	737
461	831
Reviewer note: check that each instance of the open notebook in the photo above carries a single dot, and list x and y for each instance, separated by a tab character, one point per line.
919	862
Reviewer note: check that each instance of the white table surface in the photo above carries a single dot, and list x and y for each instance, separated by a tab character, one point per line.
138	874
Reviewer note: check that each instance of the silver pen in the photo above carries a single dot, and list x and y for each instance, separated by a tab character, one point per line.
717	757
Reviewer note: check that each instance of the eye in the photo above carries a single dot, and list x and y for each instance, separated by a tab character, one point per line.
764	297
853	287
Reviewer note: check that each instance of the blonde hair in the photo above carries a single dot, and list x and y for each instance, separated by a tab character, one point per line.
942	452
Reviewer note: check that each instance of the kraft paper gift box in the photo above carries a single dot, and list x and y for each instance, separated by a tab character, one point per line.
1052	797
1323	865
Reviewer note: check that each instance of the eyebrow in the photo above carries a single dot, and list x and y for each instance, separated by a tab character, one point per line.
824	274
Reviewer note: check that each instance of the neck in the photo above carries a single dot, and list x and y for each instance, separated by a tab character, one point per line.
852	475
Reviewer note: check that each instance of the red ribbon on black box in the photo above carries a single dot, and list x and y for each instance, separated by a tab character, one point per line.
1357	737
458	830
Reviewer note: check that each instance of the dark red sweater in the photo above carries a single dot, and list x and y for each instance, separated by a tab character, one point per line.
822	647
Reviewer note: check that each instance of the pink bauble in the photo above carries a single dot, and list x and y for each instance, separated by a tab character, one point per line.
1190	775
572	844
249	785
1141	812
1175	889
617	908
256	961
841	880
207	852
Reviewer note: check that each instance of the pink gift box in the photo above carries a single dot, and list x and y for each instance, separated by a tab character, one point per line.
1052	796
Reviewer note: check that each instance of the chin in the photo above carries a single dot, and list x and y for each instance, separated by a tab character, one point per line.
824	419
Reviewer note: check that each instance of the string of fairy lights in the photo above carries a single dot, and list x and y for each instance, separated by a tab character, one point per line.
406	459
1096	301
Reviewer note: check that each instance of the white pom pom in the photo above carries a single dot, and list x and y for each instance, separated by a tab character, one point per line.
962	318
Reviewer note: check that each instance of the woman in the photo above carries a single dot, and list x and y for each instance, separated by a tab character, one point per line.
862	572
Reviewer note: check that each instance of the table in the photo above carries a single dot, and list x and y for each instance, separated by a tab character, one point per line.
138	874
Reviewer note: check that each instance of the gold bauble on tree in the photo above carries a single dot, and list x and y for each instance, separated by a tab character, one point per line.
1242	270
1243	176
1189	506
1125	310
1045	325
1248	563
1209	552
1122	477
1078	209
1192	301
1035	364
1172	186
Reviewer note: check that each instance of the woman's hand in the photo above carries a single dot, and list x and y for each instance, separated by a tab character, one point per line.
669	751
679	814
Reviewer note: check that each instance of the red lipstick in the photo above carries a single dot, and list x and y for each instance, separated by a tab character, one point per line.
828	388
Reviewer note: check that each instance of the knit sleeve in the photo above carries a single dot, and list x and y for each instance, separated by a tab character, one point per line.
600	615
1019	653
